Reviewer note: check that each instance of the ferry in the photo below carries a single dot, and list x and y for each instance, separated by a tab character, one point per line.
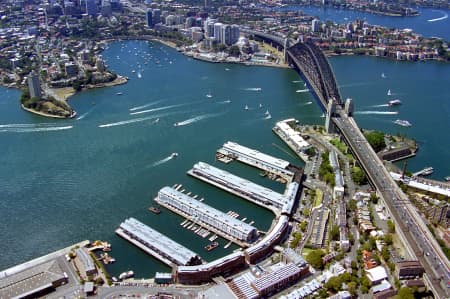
174	155
403	123
389	92
212	246
154	210
395	102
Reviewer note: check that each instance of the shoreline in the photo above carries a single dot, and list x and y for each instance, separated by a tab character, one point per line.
46	114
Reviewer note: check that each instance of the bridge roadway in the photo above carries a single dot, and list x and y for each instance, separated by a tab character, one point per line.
418	240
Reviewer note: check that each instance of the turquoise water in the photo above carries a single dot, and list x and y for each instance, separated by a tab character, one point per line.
430	22
60	187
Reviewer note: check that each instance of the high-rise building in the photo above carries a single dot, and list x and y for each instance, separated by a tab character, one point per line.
209	27
149	18
315	25
156	16
218	31
106	9
225	35
235	32
91	7
34	85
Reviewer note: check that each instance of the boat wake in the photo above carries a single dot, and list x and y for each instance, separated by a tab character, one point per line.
445	16
27	128
377	112
296	81
302	90
196	119
382	105
85	114
160	108
253	89
145	106
224	102
130	121
162	161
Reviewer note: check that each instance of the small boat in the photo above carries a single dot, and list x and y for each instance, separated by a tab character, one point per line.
227	69
403	123
389	92
212	246
209	95
447	178
246	107
157	120
154	210
174	155
267	112
395	102
260	105
176	124
427	171
119	93
383	75
133	71
139	75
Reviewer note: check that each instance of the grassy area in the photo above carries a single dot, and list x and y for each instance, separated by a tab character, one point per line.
339	145
306	251
319	197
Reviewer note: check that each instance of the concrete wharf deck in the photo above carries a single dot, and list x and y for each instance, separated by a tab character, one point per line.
256	159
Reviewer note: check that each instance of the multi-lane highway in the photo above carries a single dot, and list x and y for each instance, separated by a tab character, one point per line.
419	241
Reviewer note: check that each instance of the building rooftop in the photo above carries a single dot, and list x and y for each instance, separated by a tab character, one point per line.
148	236
376	274
242	150
85	259
268	280
207	210
262	194
31	280
291	133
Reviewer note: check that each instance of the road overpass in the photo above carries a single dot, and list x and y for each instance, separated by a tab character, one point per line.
419	243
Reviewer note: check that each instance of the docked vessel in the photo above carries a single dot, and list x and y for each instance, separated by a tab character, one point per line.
154	210
125	275
212	246
395	102
403	123
447	178
427	171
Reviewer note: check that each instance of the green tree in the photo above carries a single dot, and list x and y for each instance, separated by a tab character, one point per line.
391	226
352	288
388	239
376	140
334	284
374	198
358	176
405	293
334	233
314	258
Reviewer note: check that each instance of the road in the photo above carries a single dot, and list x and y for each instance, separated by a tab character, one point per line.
419	241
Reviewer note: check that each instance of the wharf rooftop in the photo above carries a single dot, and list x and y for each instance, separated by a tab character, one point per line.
156	244
203	213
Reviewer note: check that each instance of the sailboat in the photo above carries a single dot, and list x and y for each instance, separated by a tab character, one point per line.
383	75
246	107
389	92
267	112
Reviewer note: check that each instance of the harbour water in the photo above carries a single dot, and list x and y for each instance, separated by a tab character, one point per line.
430	22
62	181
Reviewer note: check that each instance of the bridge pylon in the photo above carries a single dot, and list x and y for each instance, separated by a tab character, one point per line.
331	111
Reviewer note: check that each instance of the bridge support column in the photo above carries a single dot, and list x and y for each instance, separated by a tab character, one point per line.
331	110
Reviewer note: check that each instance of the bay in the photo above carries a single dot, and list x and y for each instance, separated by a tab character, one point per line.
63	181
